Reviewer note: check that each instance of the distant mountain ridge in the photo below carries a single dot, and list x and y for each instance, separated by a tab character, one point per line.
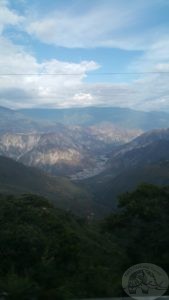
45	120
88	116
14	121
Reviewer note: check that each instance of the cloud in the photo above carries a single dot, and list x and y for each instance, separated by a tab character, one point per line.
36	83
91	28
30	87
8	17
152	90
146	93
102	24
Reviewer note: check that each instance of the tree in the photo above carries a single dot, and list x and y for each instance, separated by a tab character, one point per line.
141	225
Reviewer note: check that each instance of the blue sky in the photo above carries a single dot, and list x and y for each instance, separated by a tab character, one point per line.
89	38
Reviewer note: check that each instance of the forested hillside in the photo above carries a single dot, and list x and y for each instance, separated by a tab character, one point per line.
46	253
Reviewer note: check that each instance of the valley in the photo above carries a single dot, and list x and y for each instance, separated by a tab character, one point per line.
84	149
98	160
69	150
99	167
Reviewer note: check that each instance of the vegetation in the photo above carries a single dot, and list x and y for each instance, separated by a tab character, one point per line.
141	225
46	253
50	254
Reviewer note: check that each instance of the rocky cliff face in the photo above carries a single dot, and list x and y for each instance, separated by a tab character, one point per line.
67	150
15	145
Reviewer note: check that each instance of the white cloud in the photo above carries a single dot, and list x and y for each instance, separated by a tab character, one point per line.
87	30
7	16
84	99
104	24
36	88
148	93
152	90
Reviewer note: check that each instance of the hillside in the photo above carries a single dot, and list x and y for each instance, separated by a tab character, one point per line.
108	189
145	159
140	225
16	178
49	254
148	148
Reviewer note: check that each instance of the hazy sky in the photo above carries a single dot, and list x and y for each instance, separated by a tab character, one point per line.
62	50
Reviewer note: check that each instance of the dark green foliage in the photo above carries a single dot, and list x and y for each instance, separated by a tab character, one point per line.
46	253
141	225
50	254
18	287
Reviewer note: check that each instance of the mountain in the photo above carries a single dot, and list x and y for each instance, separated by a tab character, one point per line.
15	178
15	122
148	148
145	159
87	116
116	157
43	120
67	150
73	150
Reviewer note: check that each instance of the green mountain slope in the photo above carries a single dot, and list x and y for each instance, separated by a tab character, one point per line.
18	179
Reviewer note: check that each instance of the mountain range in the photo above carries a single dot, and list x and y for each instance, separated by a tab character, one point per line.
87	116
35	119
65	151
103	152
57	148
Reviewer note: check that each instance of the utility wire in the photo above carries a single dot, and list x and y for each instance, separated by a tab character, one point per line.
81	74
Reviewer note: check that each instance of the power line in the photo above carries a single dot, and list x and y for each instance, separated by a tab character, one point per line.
81	74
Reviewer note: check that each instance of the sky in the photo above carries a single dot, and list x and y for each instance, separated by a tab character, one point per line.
77	53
